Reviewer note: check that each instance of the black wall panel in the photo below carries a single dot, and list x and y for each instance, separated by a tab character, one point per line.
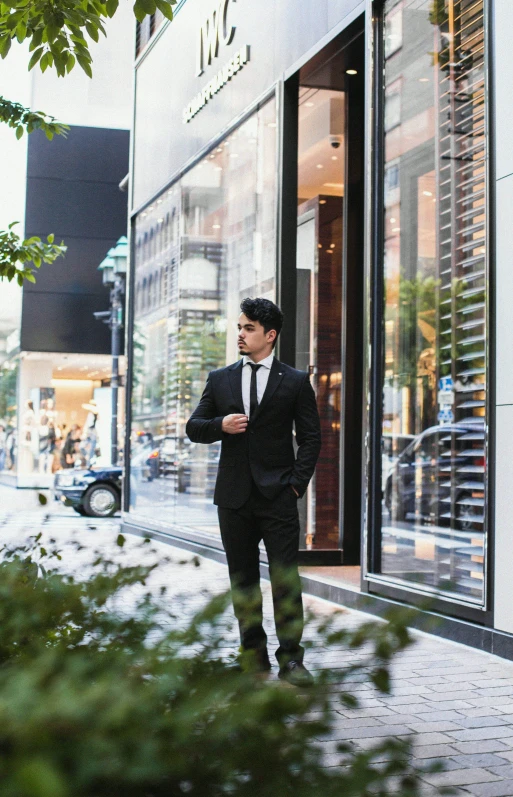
73	191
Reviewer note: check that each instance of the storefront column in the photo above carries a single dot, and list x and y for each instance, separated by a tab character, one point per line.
502	21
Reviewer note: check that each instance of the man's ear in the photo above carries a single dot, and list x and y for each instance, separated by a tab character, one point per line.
271	335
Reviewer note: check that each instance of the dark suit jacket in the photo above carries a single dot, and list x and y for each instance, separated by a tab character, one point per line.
264	453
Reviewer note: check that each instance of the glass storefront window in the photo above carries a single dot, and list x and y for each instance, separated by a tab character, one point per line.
201	247
435	279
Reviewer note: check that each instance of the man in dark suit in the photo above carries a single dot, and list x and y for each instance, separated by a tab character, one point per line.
252	406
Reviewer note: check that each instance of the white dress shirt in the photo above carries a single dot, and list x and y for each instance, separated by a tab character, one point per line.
262	375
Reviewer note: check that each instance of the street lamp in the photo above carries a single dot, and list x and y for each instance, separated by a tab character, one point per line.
113	268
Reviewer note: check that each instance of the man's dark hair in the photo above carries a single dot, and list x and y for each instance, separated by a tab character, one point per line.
264	311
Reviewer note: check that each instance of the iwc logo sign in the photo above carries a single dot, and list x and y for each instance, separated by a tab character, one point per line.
215	33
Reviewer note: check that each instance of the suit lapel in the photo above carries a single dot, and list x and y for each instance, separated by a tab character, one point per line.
235	377
275	377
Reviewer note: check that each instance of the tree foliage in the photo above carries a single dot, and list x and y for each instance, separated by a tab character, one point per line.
17	255
98	701
59	32
24	120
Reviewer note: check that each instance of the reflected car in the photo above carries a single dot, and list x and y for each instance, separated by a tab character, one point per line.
95	492
439	477
174	462
145	460
392	446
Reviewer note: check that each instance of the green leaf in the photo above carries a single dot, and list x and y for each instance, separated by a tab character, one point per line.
84	64
148	5
120	540
43	500
52	31
70	62
92	31
165	8
21	31
35	57
19	132
5	48
29	276
111	7
50	238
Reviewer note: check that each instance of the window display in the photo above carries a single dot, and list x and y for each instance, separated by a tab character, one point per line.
434	450
200	248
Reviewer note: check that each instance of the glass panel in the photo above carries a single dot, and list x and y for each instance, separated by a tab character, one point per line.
203	246
434	397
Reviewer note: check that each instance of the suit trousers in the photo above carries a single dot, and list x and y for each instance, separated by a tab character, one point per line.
276	522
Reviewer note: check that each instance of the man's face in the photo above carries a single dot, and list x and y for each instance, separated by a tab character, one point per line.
252	338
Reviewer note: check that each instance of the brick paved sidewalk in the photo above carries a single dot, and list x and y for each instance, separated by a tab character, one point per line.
455	701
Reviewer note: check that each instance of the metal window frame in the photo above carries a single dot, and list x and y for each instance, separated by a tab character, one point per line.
372	580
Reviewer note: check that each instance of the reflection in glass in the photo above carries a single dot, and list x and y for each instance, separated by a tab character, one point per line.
434	397
201	247
319	294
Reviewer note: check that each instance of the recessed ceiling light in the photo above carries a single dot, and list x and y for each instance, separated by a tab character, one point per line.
427	193
309	104
219	149
216	226
423	80
392	221
334	157
320	166
332	246
351	72
396	229
322	201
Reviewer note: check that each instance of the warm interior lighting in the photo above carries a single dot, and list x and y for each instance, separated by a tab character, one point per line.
351	72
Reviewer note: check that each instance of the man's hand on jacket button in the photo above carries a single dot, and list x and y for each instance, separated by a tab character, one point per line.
235	423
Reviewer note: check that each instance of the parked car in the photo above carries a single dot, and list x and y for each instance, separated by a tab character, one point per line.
439	477
95	492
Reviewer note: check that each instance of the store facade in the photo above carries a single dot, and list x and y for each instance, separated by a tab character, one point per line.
342	159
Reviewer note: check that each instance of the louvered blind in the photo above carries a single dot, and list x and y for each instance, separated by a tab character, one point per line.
461	185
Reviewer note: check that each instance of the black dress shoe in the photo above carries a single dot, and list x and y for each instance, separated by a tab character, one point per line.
296	674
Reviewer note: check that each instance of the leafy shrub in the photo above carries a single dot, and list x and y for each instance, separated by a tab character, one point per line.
97	701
